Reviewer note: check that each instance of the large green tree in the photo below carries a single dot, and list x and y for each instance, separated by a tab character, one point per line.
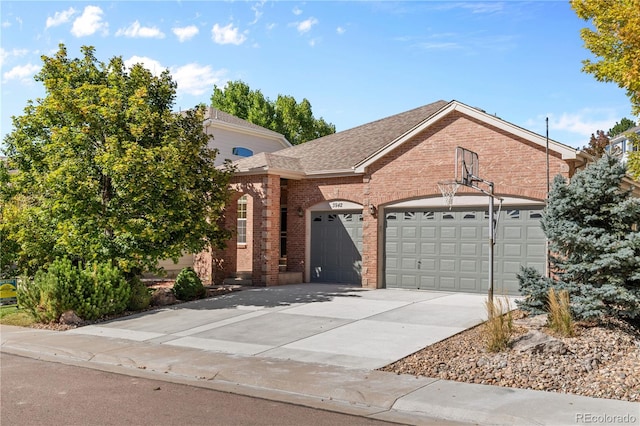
621	127
286	116
105	171
615	40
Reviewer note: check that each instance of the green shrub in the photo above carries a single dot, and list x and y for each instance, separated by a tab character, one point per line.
51	292
103	290
188	285
140	297
97	290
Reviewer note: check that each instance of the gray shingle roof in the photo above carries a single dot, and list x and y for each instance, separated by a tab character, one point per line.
343	150
218	115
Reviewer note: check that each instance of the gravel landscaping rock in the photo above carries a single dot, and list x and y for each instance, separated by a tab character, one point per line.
602	360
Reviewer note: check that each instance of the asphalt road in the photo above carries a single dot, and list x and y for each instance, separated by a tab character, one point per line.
35	392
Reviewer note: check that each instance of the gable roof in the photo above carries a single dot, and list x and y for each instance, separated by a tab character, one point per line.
221	119
351	151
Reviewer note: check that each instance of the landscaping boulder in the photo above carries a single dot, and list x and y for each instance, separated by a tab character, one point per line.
537	342
69	318
163	297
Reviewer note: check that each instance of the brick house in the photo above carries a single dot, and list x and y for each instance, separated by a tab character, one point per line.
362	206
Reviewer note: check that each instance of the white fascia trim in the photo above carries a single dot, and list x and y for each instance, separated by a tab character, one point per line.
247	130
332	173
286	174
566	151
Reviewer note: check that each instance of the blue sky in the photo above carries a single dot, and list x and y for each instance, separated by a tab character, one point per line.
355	61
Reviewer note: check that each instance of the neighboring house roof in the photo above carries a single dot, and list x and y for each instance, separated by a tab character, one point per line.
351	151
625	134
222	119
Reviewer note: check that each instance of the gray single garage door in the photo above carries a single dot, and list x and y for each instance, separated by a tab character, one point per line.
336	247
448	250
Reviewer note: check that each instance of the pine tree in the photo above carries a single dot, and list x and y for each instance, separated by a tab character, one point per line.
591	224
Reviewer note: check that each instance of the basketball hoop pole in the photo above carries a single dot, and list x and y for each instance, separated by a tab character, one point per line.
492	228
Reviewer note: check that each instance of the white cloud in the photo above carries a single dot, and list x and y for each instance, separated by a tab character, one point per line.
60	18
185	33
152	65
195	79
574	128
297	11
5	54
257	10
22	73
341	30
89	22
192	79
305	26
428	45
227	35
584	122
136	30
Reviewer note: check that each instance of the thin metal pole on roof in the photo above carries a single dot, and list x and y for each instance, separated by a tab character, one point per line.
547	199
548	178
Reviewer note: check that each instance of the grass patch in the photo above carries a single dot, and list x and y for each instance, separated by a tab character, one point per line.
498	329
12	315
560	319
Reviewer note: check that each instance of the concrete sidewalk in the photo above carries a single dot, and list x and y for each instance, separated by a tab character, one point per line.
313	345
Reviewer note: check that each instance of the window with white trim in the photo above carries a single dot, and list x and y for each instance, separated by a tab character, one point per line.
242	220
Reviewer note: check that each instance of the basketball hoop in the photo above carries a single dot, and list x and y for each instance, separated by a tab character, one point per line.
448	189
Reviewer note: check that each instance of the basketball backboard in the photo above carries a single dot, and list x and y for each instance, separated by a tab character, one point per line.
466	167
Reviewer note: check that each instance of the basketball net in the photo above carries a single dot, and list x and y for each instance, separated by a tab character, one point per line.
448	189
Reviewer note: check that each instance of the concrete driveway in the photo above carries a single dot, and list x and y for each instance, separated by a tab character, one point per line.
330	324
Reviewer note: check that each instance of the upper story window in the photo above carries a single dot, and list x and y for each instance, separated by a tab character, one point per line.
241	151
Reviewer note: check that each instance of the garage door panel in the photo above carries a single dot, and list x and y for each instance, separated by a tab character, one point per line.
447	249
469	284
428	265
336	247
427	248
408	263
469	265
512	233
409	281
535	251
427	232
409	232
428	282
448	232
453	248
512	250
469	232
510	267
447	265
447	283
469	249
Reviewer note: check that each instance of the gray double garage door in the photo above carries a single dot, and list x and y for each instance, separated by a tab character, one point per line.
432	249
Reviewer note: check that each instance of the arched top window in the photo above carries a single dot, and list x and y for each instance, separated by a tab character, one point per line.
242	151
